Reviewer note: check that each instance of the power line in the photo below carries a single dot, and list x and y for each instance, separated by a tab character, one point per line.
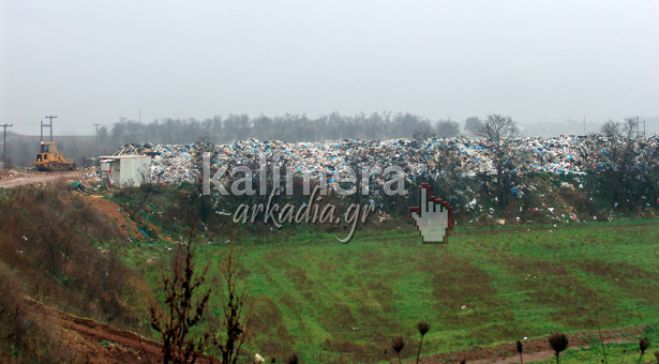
49	117
41	130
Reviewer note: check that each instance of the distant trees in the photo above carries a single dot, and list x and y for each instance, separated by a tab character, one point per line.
288	127
473	125
421	134
447	128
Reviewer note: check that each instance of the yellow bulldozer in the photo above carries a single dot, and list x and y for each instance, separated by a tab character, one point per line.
50	158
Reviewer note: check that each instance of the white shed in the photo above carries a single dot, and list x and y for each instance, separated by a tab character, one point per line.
125	170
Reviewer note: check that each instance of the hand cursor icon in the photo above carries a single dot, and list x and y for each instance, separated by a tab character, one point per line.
433	217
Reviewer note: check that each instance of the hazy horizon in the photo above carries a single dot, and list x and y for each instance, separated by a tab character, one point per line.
539	62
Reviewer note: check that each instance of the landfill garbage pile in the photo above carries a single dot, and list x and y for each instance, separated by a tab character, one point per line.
470	157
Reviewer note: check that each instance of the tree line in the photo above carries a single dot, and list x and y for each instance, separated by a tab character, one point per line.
288	127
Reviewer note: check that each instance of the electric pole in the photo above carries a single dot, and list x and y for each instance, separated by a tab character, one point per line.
96	126
51	117
4	142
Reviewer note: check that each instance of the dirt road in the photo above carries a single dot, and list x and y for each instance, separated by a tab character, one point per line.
96	342
534	349
14	179
99	343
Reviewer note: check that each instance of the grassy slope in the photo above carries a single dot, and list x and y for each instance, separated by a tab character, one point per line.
333	302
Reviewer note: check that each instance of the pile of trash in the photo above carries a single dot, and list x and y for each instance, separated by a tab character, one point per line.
468	157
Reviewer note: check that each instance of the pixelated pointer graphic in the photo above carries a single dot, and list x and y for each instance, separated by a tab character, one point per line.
433	217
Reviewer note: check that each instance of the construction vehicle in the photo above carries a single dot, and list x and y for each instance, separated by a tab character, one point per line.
50	158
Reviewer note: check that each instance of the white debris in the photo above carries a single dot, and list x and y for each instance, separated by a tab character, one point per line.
258	359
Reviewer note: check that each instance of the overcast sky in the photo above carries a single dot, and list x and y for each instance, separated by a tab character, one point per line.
538	61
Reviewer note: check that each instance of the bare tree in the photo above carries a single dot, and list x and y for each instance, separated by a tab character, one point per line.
498	131
610	129
230	338
184	308
448	180
629	127
627	167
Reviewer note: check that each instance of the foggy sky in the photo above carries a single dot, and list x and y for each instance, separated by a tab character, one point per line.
538	61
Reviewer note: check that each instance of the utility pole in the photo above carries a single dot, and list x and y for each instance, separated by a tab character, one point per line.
96	126
4	142
51	117
584	125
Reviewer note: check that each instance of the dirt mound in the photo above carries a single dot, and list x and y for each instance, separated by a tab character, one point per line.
115	215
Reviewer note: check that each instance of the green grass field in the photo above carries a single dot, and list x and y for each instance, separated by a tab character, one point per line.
333	302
